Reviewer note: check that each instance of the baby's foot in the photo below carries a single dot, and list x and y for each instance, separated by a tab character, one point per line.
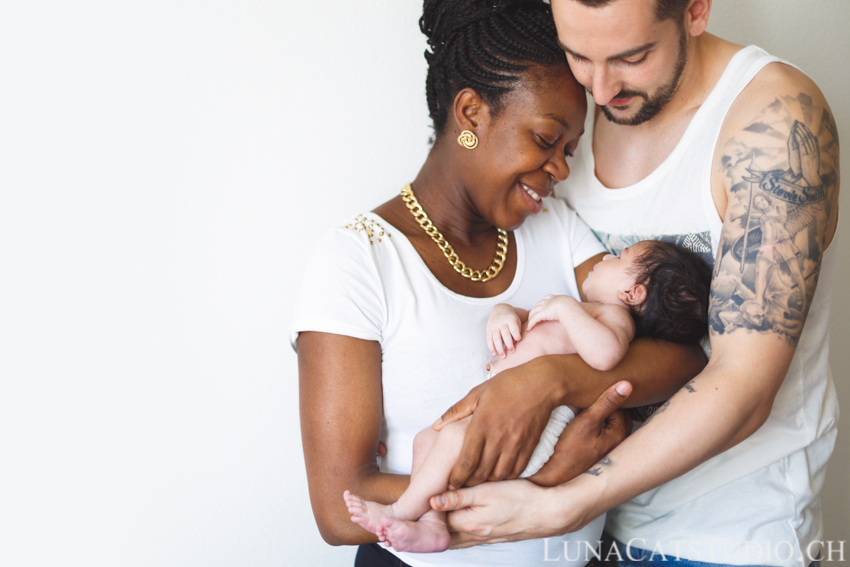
367	514
427	535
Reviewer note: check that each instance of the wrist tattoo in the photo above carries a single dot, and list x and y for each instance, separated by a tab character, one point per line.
603	462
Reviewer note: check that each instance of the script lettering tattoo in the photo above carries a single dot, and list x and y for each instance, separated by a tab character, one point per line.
690	387
782	170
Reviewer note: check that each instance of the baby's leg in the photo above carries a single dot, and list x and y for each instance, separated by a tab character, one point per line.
434	456
439	453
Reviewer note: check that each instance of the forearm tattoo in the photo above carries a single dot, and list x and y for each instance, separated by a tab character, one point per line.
783	171
597	470
659	411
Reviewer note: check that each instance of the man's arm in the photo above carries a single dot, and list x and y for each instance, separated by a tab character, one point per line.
778	156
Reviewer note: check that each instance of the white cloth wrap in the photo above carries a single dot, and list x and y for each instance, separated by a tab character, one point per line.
558	420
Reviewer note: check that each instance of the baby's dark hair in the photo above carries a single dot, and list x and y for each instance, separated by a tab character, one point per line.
677	285
486	45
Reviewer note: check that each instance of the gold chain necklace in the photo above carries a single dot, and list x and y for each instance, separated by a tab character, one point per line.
475	275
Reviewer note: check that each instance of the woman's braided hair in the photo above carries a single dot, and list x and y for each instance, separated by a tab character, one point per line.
486	45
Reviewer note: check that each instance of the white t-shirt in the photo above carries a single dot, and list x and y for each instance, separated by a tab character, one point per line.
367	281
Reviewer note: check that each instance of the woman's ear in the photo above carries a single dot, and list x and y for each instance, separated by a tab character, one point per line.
469	110
634	296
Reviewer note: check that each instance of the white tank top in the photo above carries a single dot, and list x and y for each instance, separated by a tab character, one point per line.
766	489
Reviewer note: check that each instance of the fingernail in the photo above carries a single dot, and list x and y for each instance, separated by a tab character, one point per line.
438	422
622	388
441	500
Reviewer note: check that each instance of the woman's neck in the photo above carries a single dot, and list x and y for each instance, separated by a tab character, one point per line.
441	193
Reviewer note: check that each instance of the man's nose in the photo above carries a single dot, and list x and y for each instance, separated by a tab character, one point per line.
604	86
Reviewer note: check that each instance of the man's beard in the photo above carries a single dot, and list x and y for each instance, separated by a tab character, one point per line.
653	105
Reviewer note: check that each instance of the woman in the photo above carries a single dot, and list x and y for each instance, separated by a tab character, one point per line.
390	326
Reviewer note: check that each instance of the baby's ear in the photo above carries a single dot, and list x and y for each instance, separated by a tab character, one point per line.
634	296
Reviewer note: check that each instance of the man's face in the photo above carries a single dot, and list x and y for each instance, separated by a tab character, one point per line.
628	61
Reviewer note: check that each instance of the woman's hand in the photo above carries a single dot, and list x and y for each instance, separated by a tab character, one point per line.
495	512
511	411
504	328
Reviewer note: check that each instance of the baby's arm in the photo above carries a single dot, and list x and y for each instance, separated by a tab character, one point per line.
600	333
504	328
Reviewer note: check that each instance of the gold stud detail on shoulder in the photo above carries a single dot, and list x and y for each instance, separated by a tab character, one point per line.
371	228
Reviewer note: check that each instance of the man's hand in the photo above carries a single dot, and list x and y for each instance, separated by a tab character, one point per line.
600	427
495	512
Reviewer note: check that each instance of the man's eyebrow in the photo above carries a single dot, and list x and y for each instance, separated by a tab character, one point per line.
622	55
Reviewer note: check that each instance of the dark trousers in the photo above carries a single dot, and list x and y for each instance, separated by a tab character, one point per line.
373	555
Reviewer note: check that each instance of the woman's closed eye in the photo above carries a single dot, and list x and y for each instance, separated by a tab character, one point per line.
544	143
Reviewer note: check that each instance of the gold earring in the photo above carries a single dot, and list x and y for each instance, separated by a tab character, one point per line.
468	140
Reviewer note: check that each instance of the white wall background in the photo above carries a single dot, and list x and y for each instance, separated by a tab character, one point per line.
164	170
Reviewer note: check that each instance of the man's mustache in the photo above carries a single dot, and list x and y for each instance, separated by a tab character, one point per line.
623	94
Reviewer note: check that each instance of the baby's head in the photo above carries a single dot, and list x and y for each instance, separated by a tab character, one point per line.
665	287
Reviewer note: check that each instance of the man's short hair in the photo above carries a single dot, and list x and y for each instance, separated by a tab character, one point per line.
664	9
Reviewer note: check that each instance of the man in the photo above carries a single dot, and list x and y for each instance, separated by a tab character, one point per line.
734	154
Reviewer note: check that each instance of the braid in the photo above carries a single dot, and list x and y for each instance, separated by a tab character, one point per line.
486	45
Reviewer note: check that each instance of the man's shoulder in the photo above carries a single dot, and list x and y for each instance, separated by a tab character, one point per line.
780	107
777	86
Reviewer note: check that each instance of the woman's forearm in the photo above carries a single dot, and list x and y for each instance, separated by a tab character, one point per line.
656	370
332	517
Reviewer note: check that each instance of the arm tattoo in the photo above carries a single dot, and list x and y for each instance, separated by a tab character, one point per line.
783	170
690	387
662	409
596	471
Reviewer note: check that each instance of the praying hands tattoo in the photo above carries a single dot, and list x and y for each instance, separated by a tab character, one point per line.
782	189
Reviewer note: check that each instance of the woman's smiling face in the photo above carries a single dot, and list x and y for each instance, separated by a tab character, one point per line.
523	149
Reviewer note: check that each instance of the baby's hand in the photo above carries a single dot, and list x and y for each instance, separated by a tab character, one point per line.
503	329
548	309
